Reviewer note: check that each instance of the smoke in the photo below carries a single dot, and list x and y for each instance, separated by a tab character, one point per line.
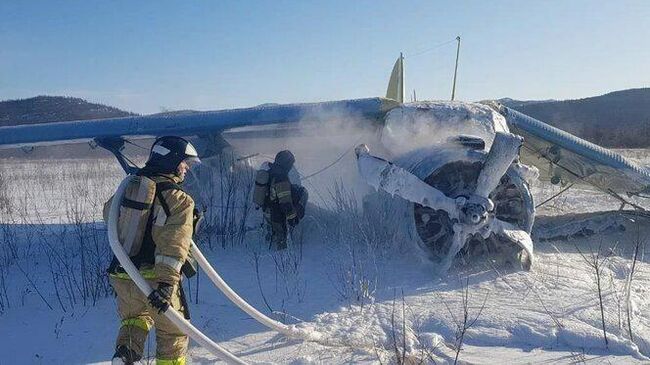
323	143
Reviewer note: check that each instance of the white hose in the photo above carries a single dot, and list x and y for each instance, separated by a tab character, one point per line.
290	331
171	314
236	299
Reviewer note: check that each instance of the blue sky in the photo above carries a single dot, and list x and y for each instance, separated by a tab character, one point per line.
144	56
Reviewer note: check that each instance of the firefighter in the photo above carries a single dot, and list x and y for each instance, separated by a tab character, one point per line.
282	202
161	260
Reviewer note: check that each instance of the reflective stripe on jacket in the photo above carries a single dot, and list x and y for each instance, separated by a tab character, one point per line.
280	193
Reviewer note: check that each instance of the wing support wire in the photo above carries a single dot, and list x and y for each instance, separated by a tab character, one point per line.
609	192
555	195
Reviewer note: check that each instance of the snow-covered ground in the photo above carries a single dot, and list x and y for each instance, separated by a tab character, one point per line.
357	283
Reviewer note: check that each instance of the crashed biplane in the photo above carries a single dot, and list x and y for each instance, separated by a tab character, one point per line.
471	190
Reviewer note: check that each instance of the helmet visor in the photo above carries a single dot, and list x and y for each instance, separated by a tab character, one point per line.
192	161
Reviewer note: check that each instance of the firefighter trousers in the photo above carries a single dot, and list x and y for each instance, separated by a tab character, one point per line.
276	230
138	317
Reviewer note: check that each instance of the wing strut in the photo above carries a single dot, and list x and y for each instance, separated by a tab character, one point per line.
609	192
211	144
115	146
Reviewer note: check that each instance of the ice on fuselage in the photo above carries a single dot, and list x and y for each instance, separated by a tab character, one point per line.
423	124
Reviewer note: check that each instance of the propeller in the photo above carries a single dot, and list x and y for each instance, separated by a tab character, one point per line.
458	242
473	214
515	235
503	151
385	175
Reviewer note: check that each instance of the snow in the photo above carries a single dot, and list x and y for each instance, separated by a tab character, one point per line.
359	285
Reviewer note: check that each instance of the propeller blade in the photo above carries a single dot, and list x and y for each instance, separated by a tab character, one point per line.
384	175
503	151
457	244
515	235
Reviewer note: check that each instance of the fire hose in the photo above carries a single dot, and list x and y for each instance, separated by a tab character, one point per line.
216	279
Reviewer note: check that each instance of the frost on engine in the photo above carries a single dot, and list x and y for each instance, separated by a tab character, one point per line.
468	194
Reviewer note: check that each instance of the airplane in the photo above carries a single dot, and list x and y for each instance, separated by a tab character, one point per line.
461	171
468	192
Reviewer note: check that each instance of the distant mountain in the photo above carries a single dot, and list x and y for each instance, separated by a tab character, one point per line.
618	119
42	109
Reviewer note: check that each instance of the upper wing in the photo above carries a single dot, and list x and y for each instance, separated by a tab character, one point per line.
563	156
187	124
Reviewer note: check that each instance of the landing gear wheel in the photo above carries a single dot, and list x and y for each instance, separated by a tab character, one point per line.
513	203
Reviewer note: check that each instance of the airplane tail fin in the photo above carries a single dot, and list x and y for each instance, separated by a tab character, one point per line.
395	89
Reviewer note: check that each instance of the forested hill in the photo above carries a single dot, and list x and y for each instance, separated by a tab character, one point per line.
42	109
617	119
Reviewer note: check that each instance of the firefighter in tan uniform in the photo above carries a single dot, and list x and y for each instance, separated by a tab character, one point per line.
282	202
162	257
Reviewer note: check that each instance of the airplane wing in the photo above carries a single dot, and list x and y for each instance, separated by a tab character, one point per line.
188	123
567	159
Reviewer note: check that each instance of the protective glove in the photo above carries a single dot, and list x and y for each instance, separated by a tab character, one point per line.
160	297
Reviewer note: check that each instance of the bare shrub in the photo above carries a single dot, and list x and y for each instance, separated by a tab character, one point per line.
598	262
5	201
406	343
363	233
47	229
639	244
554	317
9	247
465	320
4	297
355	268
74	249
289	284
222	185
427	347
33	285
256	257
399	345
91	252
288	263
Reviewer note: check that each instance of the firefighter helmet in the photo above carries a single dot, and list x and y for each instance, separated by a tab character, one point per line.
285	160
169	151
